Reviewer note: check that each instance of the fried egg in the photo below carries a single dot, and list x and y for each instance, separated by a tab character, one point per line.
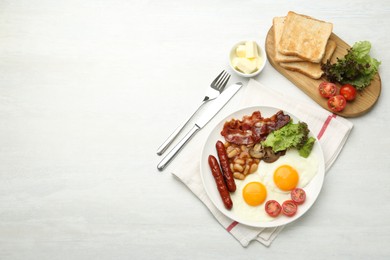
249	199
288	172
272	181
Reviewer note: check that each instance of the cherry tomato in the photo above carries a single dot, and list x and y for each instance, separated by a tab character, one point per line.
298	195
289	208
348	91
273	208
337	103
327	89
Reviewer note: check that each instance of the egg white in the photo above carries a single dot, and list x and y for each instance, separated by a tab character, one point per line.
241	209
306	168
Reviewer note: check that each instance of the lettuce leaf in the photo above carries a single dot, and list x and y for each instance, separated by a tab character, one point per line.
289	136
357	67
361	50
307	147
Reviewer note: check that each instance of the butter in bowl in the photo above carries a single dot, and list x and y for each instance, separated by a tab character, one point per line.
247	58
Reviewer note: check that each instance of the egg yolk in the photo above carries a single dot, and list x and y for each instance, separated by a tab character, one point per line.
254	193
286	177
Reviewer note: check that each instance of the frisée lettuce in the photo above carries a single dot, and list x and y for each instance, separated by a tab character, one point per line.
357	67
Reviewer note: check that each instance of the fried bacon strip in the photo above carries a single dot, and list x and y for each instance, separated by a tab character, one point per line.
254	128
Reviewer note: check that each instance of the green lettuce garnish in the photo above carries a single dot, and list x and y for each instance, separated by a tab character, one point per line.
307	147
289	136
357	67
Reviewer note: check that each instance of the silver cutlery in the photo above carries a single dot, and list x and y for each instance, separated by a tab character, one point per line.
215	89
203	119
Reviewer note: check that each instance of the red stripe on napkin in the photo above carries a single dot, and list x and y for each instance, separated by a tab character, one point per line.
231	226
325	125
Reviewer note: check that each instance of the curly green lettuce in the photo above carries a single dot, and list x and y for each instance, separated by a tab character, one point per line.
305	150
289	136
357	67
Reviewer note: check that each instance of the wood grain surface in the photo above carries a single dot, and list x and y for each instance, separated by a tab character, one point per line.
365	99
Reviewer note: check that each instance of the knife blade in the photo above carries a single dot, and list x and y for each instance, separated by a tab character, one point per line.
203	119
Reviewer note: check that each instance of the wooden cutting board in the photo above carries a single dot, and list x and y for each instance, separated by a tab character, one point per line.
365	99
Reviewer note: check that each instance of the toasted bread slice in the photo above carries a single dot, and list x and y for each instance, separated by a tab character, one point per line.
310	69
278	25
305	37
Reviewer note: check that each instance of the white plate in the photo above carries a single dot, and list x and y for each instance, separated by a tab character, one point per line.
312	189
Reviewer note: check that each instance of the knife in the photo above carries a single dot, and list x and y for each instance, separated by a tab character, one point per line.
203	119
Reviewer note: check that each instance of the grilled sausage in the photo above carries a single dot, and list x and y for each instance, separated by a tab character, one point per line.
224	162
223	191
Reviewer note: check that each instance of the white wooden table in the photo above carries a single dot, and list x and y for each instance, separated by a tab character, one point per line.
89	90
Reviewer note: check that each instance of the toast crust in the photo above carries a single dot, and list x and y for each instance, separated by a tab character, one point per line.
310	69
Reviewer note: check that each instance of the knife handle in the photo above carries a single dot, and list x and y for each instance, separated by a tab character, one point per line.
172	137
168	158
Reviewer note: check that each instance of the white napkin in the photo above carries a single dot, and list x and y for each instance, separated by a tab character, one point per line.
331	130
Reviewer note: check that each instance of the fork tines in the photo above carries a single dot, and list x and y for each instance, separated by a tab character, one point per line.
221	80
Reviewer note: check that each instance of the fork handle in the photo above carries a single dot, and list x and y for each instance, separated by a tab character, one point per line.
168	158
175	133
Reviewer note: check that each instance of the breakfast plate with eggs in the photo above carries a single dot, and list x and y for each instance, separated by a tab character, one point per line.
264	183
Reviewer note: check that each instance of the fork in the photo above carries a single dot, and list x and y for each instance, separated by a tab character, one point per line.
216	87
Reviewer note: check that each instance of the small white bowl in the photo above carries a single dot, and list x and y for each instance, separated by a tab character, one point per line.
261	52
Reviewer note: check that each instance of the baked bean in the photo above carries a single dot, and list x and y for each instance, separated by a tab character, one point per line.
239	161
238	175
232	153
229	149
244	148
253	168
232	167
244	155
238	167
246	170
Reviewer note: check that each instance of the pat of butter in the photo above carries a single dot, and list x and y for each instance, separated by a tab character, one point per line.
247	66
246	58
259	62
241	51
251	49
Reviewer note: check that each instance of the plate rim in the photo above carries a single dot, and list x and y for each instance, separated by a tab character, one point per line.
320	177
